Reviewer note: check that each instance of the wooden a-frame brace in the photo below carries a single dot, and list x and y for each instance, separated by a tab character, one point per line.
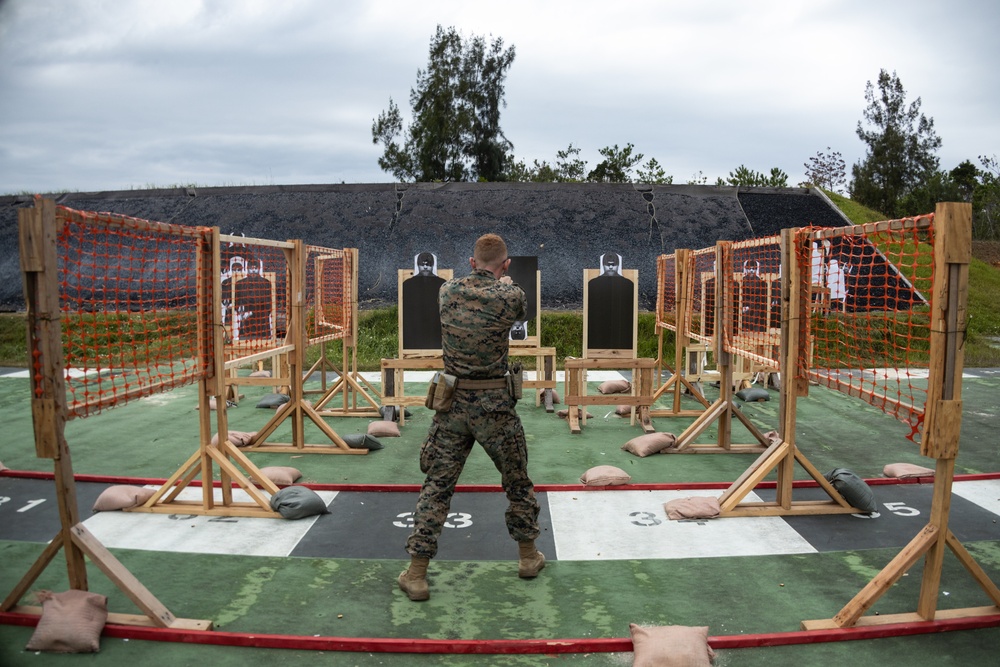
298	409
37	229
233	465
677	382
724	408
939	440
346	384
782	454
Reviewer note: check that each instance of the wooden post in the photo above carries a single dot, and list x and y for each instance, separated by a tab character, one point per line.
39	263
943	411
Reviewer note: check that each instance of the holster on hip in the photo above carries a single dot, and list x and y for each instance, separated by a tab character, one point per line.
515	381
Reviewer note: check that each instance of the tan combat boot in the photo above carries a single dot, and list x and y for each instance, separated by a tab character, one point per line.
531	560
413	580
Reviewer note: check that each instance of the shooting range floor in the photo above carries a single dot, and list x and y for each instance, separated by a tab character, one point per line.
614	558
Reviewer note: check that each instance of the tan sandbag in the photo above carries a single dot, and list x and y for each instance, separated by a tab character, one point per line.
238	438
71	622
605	476
692	507
120	497
670	646
906	470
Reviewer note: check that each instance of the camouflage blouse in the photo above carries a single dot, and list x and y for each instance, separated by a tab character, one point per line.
477	312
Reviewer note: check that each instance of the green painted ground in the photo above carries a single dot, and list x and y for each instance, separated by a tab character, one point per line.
485	599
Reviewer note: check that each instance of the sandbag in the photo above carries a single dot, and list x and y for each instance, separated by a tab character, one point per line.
854	489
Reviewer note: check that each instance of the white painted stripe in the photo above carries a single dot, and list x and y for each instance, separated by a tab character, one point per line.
202	534
71	373
560	376
625	525
985	493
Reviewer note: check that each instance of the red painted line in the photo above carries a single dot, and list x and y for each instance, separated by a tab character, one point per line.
493	488
515	646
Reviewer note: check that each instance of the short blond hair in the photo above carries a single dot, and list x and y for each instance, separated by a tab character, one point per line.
490	251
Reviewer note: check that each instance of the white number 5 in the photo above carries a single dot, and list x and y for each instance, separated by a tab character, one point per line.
899	509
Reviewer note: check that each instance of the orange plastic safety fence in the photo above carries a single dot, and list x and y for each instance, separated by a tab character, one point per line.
869	326
752	273
135	302
255	301
666	302
329	293
701	312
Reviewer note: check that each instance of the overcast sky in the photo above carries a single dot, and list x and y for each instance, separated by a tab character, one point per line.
123	94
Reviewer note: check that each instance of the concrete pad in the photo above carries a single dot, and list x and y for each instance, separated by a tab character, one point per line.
202	534
376	525
625	525
985	493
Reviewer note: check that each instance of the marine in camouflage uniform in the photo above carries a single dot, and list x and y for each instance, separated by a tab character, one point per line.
477	312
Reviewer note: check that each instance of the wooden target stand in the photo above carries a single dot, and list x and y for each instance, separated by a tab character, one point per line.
677	383
780	453
408	359
234	466
241	353
722	411
39	266
356	399
641	397
939	440
298	409
393	370
545	357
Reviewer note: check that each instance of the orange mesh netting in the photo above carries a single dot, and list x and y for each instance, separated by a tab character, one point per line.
752	271
254	284
869	325
135	302
701	312
666	302
329	290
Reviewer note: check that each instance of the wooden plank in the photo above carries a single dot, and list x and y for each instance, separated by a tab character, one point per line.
265	243
893	619
797	508
43	416
124	580
135	620
882	581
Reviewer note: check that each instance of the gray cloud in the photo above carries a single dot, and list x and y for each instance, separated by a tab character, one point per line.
98	96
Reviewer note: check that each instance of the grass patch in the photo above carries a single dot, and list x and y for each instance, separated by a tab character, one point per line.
13	340
858	214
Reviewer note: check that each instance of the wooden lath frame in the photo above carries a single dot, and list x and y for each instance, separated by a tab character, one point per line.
677	382
782	454
298	409
724	408
39	262
348	382
233	465
939	440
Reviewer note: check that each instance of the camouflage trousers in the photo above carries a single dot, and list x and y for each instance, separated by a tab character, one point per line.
489	417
